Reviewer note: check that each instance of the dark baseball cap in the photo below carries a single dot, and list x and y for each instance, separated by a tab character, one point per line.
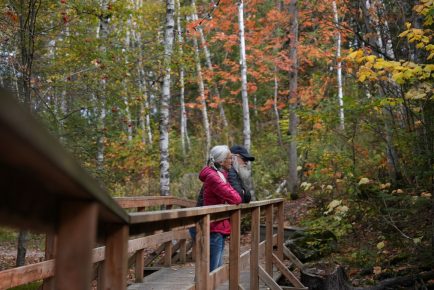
238	149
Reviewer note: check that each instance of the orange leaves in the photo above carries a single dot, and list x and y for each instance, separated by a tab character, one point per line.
267	105
11	16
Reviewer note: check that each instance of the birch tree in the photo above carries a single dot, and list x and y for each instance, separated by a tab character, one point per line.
144	117
185	141
275	108
208	62
165	99
339	68
101	111
293	100
126	97
203	106
243	67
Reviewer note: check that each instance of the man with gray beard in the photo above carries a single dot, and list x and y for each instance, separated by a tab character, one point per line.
239	174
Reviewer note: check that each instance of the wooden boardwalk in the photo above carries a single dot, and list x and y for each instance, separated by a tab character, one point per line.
182	278
172	278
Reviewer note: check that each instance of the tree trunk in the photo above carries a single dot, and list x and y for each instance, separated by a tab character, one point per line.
144	118
208	61
275	109
165	99
23	237
243	65
201	91
382	32
27	12
102	33
339	68
293	100
126	97
185	141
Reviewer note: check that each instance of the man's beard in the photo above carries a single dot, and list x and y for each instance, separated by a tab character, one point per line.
242	170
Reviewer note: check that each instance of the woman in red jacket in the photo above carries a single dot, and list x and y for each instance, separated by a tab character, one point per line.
217	190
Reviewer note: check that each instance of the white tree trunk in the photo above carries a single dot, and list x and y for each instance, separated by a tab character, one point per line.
208	61
293	100
102	33
185	141
200	83
126	97
142	123
165	99
275	109
339	68
129	120
243	65
144	119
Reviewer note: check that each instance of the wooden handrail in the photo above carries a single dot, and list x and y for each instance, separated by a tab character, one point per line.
45	190
149	201
164	215
32	160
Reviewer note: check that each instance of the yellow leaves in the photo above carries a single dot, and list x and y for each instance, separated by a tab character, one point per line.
364	180
370	58
426	195
356	56
366	73
420	92
424	7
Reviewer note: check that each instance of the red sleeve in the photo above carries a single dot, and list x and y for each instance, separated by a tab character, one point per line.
224	190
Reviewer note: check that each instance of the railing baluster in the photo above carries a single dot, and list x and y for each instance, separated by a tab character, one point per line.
269	239
254	252
168	253
234	251
50	251
280	230
183	251
76	239
140	265
116	258
202	253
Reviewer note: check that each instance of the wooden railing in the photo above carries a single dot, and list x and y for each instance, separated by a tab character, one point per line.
44	190
200	218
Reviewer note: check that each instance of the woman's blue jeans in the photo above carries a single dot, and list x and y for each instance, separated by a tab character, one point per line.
217	247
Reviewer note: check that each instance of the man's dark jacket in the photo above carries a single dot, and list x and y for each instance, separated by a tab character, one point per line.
236	182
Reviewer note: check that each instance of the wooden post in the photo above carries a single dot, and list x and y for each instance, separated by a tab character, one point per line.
140	265
100	277
269	239
202	251
75	241
280	230
254	252
183	251
116	258
50	252
168	253
234	251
